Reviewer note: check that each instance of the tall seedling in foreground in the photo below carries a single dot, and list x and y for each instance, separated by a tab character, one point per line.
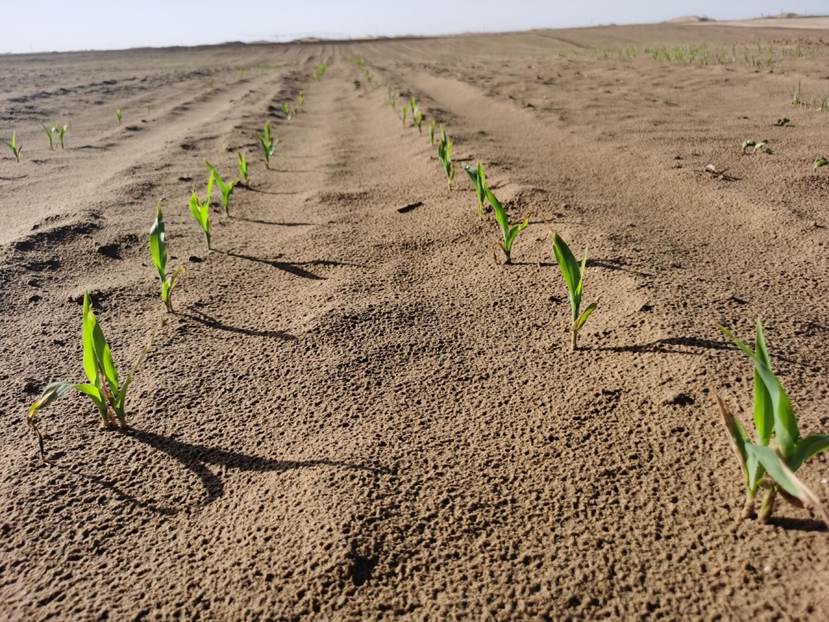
16	149
772	469
445	156
508	233
267	142
478	178
104	388
573	273
201	209
158	254
226	189
243	170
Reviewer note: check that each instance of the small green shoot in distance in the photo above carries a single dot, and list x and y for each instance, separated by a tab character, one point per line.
432	126
509	233
201	209
820	161
319	71
12	144
392	97
772	469
243	170
158	254
418	120
573	274
753	146
104	388
300	101
404	113
287	111
226	189
51	137
119	114
267	142
60	131
478	178
445	156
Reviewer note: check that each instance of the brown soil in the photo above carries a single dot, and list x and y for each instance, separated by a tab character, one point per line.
356	413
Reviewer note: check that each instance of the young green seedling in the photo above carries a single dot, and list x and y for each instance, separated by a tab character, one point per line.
432	126
51	137
286	110
201	209
119	114
820	161
418	120
243	170
573	274
772	469
12	144
268	143
104	388
226	189
60	131
158	254
478	178
445	156
509	233
404	113
300	101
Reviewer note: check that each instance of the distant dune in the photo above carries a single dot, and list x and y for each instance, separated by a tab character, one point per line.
690	19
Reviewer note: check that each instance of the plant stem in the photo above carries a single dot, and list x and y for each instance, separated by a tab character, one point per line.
574	340
748	507
767	506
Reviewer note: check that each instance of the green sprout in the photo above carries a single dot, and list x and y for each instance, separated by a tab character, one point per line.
104	388
158	254
392	98
59	131
201	209
243	170
12	144
300	101
404	113
772	469
119	114
573	274
509	233
286	110
445	156
432	126
478	178
226	189
319	71
820	161
268	143
51	137
418	120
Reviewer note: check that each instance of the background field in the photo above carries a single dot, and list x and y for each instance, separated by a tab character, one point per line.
356	413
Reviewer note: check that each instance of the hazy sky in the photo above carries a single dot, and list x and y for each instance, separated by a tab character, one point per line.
39	25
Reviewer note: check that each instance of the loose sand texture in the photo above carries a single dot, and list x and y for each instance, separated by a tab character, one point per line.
356	413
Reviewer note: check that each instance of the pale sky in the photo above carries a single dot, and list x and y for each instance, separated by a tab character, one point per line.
46	25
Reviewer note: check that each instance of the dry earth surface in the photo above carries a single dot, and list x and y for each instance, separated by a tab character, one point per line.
356	413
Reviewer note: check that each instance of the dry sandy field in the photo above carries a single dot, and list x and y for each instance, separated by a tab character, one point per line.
356	412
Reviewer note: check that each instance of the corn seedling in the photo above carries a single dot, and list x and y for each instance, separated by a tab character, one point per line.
59	131
319	71
772	469
287	111
432	126
300	101
820	161
267	142
478	178
51	137
418	120
158	254
243	170
201	209
797	99
445	156
104	388
573	274
226	189
509	233
404	113
119	114
12	144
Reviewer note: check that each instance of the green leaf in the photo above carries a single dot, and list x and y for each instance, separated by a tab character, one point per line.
738	442
763	409
500	213
777	469
584	315
808	448
158	245
785	423
90	363
51	393
94	393
570	272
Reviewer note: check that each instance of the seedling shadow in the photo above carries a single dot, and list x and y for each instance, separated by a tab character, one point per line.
616	264
211	322
260	191
196	458
294	267
798	524
259	221
669	345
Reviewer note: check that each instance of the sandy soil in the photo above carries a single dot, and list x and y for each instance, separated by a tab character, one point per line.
356	413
